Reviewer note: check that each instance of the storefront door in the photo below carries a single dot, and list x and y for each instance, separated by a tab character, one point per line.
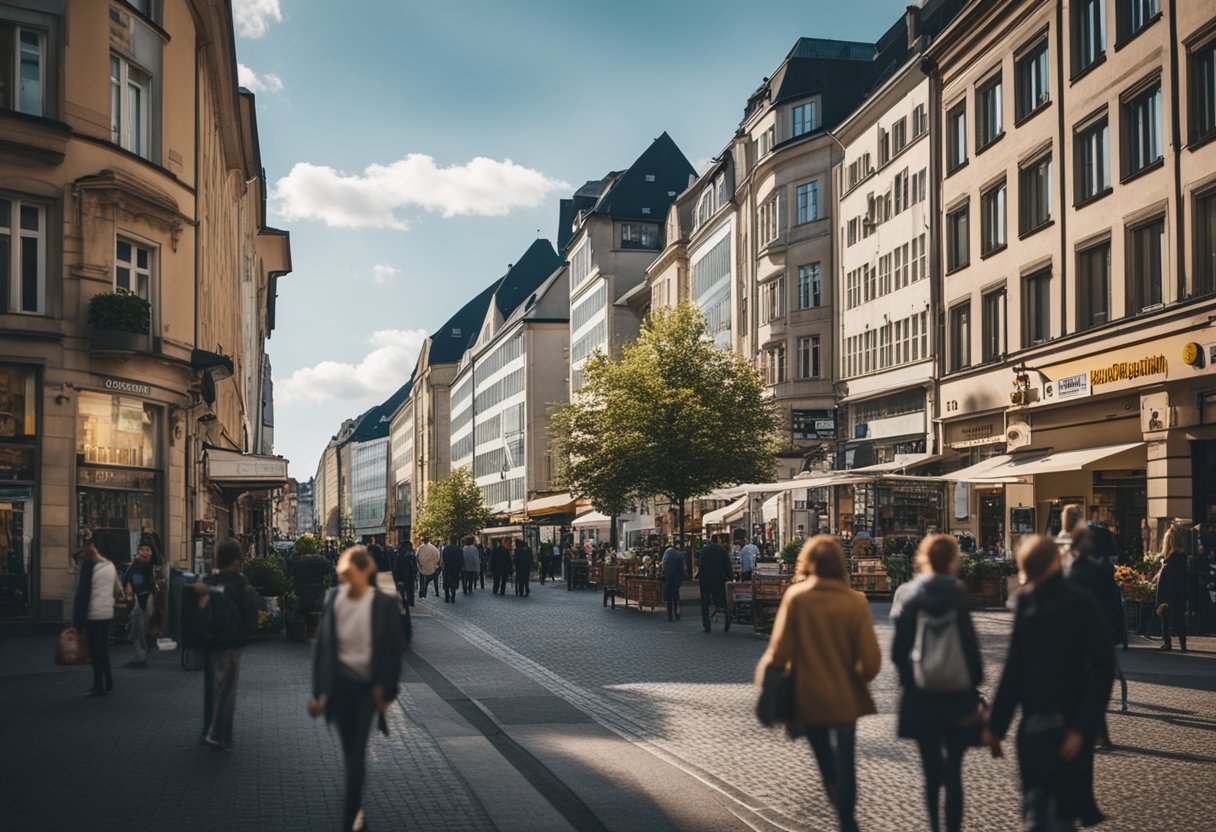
992	521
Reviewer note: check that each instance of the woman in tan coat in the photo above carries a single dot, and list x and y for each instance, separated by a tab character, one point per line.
824	629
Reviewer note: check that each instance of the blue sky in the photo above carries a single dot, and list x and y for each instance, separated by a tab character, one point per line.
414	148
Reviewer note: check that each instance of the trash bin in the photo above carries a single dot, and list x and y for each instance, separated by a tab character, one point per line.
178	578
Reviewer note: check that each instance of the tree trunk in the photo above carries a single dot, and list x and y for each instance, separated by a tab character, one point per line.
680	522
612	534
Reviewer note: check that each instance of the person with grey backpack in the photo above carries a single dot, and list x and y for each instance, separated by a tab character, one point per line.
940	668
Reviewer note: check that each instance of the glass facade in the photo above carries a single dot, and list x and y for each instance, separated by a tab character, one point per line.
18	475
369	487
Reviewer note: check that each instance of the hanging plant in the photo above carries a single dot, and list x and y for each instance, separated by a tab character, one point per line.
120	310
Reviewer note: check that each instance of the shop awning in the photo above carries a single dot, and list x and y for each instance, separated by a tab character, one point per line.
726	514
904	462
978	472
1055	463
592	519
562	503
501	531
249	472
769	510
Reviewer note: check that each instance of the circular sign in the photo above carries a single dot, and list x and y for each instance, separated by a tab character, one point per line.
1191	354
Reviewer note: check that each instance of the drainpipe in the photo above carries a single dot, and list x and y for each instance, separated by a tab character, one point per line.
1176	138
1061	167
936	310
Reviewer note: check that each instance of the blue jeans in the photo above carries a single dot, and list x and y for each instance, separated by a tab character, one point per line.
835	747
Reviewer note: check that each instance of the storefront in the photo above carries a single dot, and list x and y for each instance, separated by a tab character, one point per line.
890	506
18	488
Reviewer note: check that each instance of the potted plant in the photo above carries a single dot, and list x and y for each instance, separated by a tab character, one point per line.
294	623
789	552
120	320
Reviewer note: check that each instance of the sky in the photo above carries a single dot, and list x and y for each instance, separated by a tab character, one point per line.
415	148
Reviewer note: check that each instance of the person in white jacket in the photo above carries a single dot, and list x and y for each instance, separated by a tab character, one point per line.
93	612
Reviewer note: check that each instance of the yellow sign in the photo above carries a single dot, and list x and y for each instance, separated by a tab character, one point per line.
1191	354
1128	370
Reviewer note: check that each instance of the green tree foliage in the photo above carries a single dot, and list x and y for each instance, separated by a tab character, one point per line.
453	508
674	415
306	544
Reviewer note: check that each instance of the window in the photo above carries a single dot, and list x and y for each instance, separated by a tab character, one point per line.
1093	286
23	68
133	268
920	184
1036	308
1035	201
639	235
1093	160
587	308
901	191
920	121
766	141
808	357
884	147
130	97
1142	130
808	202
960	337
1144	265
1134	15
992	217
805	118
956	137
810	290
993	325
1203	91
768	220
774	364
988	124
1205	243
852	233
1033	86
772	300
899	135
580	264
22	257
1088	33
958	243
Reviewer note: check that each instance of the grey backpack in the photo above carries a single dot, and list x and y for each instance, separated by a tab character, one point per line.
938	662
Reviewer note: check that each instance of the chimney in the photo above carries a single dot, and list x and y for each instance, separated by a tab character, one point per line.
912	23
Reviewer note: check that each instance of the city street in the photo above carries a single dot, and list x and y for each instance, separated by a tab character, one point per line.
547	712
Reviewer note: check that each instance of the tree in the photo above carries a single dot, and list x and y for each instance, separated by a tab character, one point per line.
306	544
453	507
674	415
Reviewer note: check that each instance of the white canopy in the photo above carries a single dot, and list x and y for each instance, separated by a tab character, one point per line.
903	462
726	514
769	510
592	519
979	472
1054	463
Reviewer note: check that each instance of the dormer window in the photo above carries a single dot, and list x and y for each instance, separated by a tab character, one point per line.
455	332
646	211
650	177
639	235
706	206
805	119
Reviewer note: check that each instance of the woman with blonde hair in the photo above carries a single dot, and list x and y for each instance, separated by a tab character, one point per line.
823	628
1171	589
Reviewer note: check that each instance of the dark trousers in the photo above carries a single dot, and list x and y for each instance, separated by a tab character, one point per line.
671	593
715	594
521	584
97	633
544	569
1173	623
834	747
481	576
208	691
941	761
469	582
451	583
500	583
406	588
352	709
224	665
429	579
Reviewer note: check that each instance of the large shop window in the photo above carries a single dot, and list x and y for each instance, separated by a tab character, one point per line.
18	474
118	479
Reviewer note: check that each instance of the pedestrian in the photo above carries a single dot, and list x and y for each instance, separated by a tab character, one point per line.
356	667
545	557
747	561
483	562
1171	589
231	617
93	612
523	568
138	586
1059	669
380	557
824	631
453	568
472	564
405	572
1070	520
672	567
428	565
940	668
713	571
500	567
1093	569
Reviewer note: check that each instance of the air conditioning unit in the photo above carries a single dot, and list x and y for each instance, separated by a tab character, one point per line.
1017	435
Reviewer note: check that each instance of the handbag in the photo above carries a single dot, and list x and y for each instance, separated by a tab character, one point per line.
776	703
72	648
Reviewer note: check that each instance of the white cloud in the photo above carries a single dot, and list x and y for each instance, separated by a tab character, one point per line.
253	17
250	80
481	187
376	376
383	272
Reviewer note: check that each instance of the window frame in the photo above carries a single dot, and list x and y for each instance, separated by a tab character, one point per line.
120	102
1096	30
956	137
1131	134
1123	32
47	27
985	136
958	246
1205	237
1087	316
13	303
1031	320
1204	50
1036	50
1135	257
994	339
798	116
808	189
640	245
988	246
810	365
1027	224
132	265
960	336
813	286
1081	144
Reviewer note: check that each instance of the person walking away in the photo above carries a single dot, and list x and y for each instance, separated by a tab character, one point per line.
428	565
824	630
500	567
138	586
93	613
453	569
672	567
405	572
1093	554
472	564
713	571
937	655
483	563
1171	590
523	568
356	668
1059	669
1070	520
747	561
380	557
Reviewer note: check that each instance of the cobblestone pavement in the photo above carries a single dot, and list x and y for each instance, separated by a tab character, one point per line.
687	696
133	760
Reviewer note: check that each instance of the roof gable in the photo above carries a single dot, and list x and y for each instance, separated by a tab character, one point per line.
646	190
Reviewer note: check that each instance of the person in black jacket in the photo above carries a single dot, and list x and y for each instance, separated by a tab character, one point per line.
405	572
1171	590
453	569
1059	669
714	570
1093	569
523	568
943	724
356	667
500	567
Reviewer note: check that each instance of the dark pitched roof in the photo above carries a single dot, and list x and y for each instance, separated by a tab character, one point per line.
523	278
375	422
360	430
449	342
632	196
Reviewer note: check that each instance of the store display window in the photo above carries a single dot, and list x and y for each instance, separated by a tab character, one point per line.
18	473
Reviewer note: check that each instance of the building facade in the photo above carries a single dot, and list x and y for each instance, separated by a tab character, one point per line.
401	470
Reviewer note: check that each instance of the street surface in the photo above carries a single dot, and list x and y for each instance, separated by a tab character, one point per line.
547	712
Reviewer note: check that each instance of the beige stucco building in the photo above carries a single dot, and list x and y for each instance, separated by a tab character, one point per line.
129	161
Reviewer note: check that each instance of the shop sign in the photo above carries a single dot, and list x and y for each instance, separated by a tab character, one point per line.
1069	387
111	478
1128	370
973	435
118	385
814	424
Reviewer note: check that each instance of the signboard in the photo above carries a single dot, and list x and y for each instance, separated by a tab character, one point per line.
974	434
1021	520
1069	387
118	385
813	425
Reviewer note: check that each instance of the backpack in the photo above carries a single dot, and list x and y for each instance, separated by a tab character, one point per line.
938	662
216	625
